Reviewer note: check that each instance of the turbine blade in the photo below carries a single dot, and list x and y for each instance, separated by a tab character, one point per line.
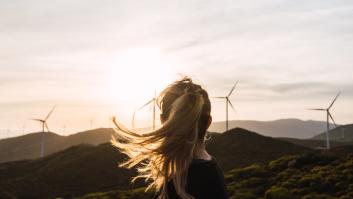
51	111
338	94
329	114
219	97
147	103
316	109
38	120
231	105
231	91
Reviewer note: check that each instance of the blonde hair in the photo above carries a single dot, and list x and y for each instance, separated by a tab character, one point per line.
165	154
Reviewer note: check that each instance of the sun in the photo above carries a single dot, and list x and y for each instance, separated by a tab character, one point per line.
136	73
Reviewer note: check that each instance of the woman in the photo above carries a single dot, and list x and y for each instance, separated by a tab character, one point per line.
173	158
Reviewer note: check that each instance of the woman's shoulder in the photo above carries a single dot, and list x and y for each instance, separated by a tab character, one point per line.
206	179
199	161
202	165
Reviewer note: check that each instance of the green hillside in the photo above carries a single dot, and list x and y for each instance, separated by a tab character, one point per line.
85	169
306	176
75	171
239	147
309	176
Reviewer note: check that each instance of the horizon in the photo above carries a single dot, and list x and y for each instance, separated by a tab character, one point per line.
147	128
95	60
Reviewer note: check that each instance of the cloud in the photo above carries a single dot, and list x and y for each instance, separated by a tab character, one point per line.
292	87
277	49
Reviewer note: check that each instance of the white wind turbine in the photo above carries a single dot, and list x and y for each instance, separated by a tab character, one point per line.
153	101
328	117
228	102
43	123
23	129
91	124
8	132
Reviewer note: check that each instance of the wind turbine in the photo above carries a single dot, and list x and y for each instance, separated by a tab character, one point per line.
43	123
8	132
228	102
328	117
23	128
91	124
153	101
64	129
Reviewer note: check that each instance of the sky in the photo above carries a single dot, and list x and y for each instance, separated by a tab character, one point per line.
95	59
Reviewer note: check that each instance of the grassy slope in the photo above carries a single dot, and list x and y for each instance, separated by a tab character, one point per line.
85	168
76	171
312	175
239	147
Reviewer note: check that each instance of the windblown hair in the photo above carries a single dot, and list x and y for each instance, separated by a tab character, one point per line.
165	154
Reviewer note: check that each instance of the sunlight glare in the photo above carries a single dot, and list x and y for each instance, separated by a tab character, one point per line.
136	73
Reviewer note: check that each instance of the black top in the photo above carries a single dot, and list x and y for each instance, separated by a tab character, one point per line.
205	181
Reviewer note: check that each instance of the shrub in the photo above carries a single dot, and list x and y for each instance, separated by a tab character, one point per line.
277	193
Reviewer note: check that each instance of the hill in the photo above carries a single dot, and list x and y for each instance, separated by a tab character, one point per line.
75	171
342	133
316	175
28	146
85	168
239	147
315	144
311	175
292	128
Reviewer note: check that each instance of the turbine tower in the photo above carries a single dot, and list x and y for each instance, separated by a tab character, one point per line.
153	101
43	123
228	102
64	129
8	132
23	128
328	117
342	132
91	124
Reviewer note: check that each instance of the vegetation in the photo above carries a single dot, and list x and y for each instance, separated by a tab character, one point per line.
138	193
309	176
255	167
313	175
238	147
79	170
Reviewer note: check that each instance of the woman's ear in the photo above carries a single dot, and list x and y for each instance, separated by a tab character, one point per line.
209	122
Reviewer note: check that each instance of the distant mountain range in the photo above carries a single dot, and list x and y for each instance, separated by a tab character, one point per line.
342	133
85	168
28	146
292	128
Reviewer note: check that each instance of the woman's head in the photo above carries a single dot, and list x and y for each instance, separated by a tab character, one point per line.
187	89
165	154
